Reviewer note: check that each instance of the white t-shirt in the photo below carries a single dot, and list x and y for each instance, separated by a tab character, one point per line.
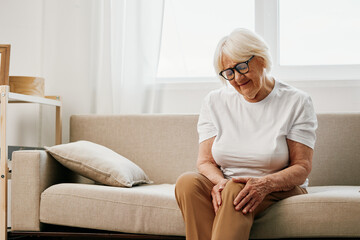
251	137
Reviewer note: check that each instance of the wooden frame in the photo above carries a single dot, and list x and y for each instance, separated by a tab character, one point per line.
7	97
4	64
4	98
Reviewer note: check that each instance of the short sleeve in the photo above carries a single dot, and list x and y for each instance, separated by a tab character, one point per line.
205	126
304	125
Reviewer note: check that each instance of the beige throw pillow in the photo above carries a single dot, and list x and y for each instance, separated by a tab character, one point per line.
98	163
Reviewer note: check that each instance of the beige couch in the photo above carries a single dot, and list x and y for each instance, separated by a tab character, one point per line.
165	146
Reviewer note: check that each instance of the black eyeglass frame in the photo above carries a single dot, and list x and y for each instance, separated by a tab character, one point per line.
234	68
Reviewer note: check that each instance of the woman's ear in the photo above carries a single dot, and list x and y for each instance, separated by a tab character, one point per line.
261	62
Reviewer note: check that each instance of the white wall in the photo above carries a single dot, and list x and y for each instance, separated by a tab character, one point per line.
21	26
328	96
66	60
50	39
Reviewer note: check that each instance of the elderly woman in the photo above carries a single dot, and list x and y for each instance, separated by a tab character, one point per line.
256	144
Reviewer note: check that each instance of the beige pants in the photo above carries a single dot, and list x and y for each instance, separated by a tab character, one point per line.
193	194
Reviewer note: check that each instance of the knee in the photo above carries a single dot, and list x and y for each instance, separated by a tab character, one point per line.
185	183
231	190
189	184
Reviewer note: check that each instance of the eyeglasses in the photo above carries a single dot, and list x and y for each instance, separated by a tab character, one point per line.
241	68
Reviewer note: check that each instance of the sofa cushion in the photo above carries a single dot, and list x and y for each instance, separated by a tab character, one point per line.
150	209
98	163
328	211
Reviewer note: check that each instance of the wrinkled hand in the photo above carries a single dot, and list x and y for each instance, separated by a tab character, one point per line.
216	194
252	194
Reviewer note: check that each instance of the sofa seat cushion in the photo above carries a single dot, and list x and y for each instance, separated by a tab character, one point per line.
328	211
150	209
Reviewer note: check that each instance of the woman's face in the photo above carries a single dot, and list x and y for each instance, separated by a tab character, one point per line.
254	85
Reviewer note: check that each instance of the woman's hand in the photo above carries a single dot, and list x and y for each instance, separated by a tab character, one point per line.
216	194
252	194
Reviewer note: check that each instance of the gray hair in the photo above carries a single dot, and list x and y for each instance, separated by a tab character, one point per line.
240	45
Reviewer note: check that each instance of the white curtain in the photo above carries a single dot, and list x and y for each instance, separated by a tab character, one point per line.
126	38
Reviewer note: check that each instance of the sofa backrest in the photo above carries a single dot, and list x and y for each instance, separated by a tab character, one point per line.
165	146
336	158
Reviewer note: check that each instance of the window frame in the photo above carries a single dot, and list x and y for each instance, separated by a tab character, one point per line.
267	26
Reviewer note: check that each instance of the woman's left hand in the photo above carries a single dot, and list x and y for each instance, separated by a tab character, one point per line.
252	194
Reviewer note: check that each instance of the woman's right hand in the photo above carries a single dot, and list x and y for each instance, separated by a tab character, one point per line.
216	194
208	167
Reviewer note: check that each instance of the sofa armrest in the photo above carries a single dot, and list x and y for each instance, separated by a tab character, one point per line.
32	173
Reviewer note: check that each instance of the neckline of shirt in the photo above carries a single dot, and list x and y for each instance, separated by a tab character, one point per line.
266	99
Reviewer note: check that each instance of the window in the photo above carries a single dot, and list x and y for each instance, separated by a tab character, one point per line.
321	32
308	39
191	31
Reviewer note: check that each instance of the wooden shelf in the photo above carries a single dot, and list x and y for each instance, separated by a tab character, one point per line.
21	98
7	97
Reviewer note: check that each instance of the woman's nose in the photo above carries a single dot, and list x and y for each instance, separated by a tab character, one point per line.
239	77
